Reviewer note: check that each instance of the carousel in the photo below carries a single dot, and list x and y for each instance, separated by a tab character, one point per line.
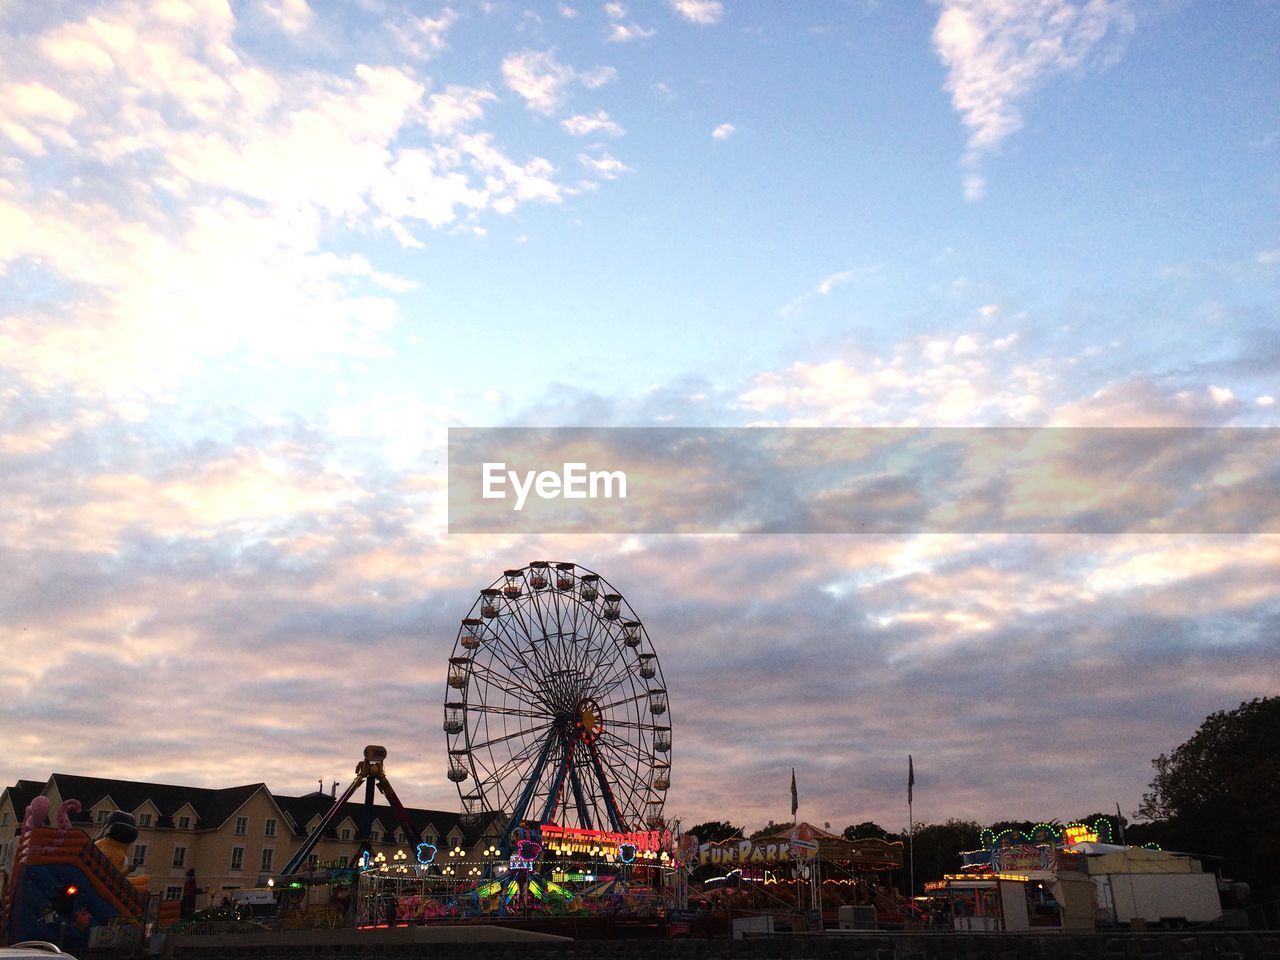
802	875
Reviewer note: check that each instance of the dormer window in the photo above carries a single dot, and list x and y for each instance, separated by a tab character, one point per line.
144	820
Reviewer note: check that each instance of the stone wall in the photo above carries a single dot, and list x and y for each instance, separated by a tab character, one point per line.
1171	945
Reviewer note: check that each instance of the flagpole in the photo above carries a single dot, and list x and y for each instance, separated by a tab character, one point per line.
911	831
795	798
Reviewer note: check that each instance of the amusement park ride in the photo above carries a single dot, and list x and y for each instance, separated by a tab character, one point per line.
556	710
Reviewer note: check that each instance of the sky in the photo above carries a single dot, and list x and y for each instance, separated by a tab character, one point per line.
257	257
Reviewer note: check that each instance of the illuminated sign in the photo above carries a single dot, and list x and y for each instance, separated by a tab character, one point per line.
744	851
647	844
1023	856
1079	833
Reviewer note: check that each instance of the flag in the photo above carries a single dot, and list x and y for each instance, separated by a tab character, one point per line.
795	797
911	777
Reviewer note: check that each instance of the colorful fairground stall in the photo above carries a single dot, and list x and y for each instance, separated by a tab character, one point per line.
1019	881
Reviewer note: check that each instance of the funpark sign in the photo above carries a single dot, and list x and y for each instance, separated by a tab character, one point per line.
801	845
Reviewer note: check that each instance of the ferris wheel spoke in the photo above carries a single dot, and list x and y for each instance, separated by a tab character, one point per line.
499	772
516	649
505	681
510	736
630	787
625	700
509	711
616	746
622	672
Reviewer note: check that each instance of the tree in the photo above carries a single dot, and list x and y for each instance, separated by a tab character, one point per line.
867	830
715	830
769	829
938	847
1219	793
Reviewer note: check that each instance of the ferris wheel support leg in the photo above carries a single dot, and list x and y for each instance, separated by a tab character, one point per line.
605	792
557	787
579	798
526	795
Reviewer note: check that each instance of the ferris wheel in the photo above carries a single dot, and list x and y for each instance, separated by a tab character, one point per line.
555	706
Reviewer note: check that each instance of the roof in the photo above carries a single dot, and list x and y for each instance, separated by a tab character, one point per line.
302	810
21	794
866	852
214	807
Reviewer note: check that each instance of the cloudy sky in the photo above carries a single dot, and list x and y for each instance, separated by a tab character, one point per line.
256	257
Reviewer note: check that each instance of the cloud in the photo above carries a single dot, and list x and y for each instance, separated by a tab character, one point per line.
626	32
544	82
724	131
310	554
823	288
996	53
205	167
294	16
703	12
1143	403
604	165
426	36
456	108
581	125
956	379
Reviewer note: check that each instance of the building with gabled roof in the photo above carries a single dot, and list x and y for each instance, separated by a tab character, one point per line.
232	837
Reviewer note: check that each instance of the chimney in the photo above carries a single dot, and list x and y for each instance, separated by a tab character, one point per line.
333	790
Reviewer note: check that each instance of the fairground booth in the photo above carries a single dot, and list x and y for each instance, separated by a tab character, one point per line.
802	870
1019	881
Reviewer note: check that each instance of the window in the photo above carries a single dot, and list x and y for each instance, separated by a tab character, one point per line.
268	855
144	819
237	858
374	836
269	829
346	834
179	856
4	820
102	815
184	823
139	854
173	893
242	826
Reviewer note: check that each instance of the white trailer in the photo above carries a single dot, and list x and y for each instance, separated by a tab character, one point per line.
1156	897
